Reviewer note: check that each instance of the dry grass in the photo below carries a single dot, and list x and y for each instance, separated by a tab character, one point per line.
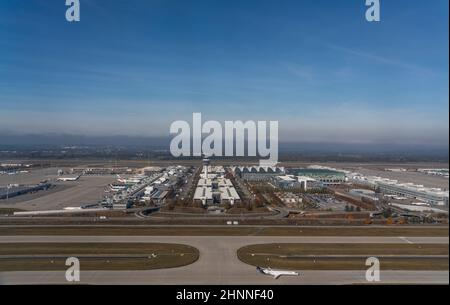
287	256
93	256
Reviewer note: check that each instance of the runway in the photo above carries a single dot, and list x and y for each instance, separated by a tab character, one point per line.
218	263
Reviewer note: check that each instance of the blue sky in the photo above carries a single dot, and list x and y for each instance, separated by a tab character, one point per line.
318	67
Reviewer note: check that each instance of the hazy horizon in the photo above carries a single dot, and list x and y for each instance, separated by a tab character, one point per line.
162	143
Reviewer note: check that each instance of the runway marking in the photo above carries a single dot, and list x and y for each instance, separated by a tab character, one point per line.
406	240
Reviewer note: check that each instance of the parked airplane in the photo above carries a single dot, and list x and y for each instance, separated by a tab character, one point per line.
117	188
276	273
68	178
131	180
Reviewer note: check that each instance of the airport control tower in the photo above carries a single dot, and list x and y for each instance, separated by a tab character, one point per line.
205	167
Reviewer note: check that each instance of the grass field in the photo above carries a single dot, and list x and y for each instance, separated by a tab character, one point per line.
333	256
226	231
92	256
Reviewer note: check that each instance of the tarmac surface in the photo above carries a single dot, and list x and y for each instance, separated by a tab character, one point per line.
218	263
34	176
86	190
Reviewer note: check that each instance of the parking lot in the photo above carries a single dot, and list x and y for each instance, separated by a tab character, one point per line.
326	202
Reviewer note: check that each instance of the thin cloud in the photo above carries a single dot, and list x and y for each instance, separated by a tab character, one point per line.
382	59
299	71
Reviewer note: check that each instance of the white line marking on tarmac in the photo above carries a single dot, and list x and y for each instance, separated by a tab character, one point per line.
406	240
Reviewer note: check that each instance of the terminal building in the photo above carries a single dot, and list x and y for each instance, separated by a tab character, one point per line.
434	196
214	188
286	182
101	170
291	182
203	195
324	175
258	173
363	193
309	183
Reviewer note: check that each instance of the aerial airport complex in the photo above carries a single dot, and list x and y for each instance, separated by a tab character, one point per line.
307	220
209	186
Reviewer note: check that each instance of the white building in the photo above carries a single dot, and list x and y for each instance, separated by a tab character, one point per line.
228	195
203	195
435	196
213	187
258	173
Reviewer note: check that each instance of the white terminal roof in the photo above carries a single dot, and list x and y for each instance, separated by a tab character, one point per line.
203	193
225	182
216	169
228	193
287	178
204	182
210	175
305	178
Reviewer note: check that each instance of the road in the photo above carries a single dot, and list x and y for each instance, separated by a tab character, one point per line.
205	225
218	263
